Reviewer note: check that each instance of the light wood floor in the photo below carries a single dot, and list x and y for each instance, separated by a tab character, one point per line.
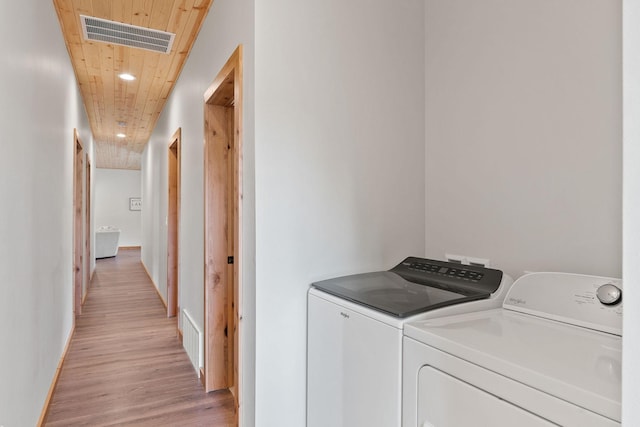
125	365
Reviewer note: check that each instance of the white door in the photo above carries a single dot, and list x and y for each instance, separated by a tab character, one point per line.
445	401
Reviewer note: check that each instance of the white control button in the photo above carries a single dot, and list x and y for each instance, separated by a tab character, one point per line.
609	294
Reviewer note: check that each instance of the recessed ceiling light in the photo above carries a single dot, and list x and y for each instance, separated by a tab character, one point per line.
121	135
126	76
122	124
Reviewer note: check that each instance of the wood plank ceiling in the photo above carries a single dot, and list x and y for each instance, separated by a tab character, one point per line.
129	107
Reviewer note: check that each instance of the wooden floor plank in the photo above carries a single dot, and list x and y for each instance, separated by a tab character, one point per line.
125	365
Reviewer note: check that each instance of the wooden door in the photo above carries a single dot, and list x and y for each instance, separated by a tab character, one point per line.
88	231
222	181
173	221
78	246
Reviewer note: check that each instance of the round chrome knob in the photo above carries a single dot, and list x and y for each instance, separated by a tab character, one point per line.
609	294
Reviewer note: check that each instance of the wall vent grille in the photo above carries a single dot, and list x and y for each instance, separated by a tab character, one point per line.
192	341
126	35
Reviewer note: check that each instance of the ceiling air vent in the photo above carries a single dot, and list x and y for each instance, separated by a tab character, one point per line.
126	35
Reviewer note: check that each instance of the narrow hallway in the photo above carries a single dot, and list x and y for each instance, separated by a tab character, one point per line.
125	364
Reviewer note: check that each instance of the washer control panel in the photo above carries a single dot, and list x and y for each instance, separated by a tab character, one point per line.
453	270
466	279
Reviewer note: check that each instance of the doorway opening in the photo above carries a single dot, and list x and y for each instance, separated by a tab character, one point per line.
223	231
78	246
173	223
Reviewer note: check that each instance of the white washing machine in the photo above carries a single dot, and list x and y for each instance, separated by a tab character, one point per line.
354	348
550	356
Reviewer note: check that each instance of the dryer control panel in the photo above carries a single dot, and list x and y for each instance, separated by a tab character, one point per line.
589	301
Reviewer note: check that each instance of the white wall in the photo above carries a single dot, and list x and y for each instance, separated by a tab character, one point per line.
631	216
39	109
523	132
339	166
113	189
154	213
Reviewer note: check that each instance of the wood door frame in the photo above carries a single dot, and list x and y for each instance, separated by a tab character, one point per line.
223	231
88	231
173	221
78	246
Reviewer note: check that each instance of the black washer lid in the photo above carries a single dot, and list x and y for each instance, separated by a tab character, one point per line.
414	286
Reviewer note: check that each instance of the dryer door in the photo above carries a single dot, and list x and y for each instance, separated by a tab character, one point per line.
445	401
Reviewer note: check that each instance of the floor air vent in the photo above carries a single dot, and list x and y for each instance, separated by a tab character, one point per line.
126	35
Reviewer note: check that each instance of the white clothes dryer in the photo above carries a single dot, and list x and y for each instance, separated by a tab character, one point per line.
550	356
